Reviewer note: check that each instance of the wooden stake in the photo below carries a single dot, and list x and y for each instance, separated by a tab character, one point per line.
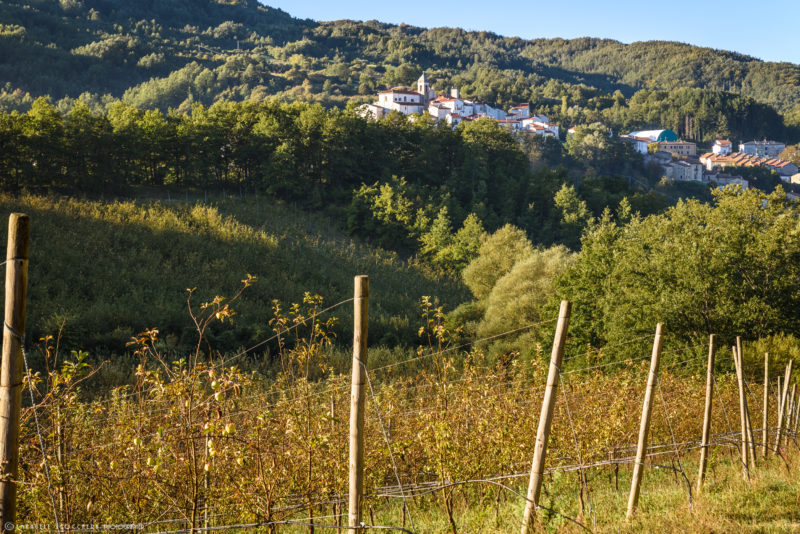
11	367
742	415
546	417
782	406
701	475
765	410
779	397
794	417
357	398
644	426
751	442
789	413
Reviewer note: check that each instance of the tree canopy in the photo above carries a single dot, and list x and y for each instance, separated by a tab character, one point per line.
728	268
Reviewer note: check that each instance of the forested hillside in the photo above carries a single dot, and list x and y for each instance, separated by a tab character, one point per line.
110	99
175	53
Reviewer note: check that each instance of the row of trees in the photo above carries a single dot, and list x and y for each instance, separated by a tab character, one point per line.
408	184
180	53
726	267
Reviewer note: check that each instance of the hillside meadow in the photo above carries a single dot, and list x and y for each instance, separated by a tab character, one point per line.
102	271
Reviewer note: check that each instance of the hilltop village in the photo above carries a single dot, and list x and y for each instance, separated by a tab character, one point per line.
677	158
453	109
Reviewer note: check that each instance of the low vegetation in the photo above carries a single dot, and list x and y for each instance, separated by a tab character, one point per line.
102	271
198	442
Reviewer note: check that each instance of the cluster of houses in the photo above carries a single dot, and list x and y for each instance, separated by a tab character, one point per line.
680	162
678	159
453	109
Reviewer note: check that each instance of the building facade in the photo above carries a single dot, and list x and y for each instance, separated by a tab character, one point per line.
679	148
722	146
454	109
762	148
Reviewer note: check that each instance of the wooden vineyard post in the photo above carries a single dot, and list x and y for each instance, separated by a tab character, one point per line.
789	413
782	406
796	414
794	417
742	415
701	475
644	426
546	417
765	418
11	367
751	442
357	398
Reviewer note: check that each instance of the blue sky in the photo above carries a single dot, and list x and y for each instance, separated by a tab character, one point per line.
767	31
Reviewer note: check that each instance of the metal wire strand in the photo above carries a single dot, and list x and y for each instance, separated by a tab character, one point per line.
386	438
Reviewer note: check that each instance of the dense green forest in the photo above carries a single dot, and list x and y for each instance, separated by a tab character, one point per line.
112	100
177	53
410	186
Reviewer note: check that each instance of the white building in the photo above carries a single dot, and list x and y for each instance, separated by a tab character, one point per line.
642	139
523	111
454	109
684	170
539	124
640	144
401	99
424	88
511	123
762	148
722	147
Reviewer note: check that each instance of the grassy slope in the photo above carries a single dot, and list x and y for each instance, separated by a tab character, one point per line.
769	504
110	269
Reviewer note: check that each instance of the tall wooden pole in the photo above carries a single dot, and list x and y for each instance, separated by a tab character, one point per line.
742	415
796	414
782	406
644	426
765	414
357	398
779	399
11	367
546	417
794	417
701	475
751	442
789	413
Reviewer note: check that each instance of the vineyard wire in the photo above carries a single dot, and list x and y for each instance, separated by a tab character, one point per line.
386	438
21	342
432	486
674	441
451	349
638	359
725	414
578	450
296	325
245	351
606	347
408	412
284	522
760	409
335	388
580	466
